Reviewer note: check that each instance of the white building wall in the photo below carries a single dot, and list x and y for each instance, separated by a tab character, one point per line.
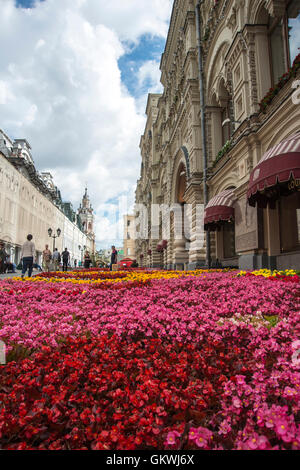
23	210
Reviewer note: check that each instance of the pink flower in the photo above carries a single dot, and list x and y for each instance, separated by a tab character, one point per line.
236	402
172	438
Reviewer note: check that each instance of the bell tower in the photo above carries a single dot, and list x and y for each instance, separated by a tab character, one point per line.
86	215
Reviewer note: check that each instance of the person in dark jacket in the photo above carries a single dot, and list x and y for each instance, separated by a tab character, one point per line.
3	256
87	260
65	257
114	256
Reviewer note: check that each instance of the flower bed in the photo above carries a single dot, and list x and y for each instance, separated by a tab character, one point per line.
160	360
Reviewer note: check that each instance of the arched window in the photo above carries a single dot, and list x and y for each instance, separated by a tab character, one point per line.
181	184
226	108
221	112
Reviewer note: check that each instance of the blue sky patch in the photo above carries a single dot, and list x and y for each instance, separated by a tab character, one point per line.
148	48
26	3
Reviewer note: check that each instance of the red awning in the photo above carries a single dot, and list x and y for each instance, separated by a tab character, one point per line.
278	166
219	209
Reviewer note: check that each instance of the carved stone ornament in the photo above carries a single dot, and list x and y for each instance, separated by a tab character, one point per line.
276	8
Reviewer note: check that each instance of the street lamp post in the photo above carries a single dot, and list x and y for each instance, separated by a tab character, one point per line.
50	231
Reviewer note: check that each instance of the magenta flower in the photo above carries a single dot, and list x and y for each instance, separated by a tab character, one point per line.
172	438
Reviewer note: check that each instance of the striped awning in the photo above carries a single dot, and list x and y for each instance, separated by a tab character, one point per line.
277	168
219	209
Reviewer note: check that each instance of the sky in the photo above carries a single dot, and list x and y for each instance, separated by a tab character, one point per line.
74	80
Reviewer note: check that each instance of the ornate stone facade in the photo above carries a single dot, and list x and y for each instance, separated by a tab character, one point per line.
241	49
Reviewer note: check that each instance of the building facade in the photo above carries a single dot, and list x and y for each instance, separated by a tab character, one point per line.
31	203
224	136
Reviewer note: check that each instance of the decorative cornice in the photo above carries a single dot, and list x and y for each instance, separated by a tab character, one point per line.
276	8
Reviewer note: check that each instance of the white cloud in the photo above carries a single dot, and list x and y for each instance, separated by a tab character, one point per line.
61	89
130	18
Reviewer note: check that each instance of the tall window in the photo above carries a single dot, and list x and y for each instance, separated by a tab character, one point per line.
277	51
225	127
284	40
293	25
226	105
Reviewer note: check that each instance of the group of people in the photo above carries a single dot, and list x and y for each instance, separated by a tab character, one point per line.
28	255
50	261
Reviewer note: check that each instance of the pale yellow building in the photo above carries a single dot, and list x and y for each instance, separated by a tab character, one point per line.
225	133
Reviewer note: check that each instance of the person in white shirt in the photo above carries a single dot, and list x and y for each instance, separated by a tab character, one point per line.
56	258
28	255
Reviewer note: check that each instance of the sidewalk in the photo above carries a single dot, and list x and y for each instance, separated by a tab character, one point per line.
8	275
16	274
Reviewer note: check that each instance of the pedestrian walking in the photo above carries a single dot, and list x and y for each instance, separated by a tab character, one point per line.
56	259
75	263
65	258
3	256
47	255
87	260
114	256
28	256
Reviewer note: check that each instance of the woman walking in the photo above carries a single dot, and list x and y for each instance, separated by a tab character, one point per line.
28	256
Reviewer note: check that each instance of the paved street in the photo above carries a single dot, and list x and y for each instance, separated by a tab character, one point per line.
17	273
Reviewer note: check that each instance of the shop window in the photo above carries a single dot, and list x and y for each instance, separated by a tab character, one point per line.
289	216
229	240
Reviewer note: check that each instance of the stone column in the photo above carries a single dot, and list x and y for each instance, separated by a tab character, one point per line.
194	197
180	255
156	256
